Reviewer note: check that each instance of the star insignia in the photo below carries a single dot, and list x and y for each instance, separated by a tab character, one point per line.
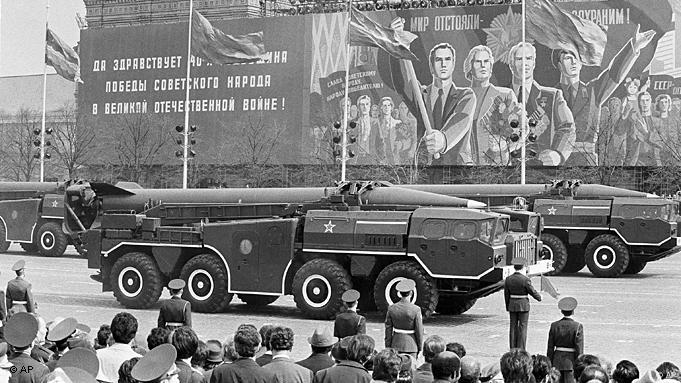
504	32
552	210
55	203
328	227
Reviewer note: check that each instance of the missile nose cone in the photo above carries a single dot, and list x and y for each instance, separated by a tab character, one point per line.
476	205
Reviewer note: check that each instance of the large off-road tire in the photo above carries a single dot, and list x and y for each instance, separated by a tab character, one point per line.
554	250
136	280
207	287
30	248
607	256
453	305
51	240
425	296
575	260
4	245
257	300
635	267
318	286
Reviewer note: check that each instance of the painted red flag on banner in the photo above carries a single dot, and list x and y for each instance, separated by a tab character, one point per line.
62	57
557	29
220	48
364	31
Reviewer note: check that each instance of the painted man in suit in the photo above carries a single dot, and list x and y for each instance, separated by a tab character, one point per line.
404	322
19	296
585	99
449	108
644	139
369	142
490	130
175	312
517	287
349	323
387	125
566	341
555	127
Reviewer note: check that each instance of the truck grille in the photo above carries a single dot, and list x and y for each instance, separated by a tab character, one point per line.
525	248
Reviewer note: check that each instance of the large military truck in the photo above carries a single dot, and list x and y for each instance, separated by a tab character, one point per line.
612	231
312	250
31	214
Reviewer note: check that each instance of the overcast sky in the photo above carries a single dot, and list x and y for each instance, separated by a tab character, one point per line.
22	32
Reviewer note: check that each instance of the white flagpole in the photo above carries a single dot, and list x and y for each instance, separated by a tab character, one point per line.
344	127
42	128
523	115
185	133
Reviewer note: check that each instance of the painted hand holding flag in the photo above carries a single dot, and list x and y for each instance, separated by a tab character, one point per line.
220	48
366	32
62	57
551	26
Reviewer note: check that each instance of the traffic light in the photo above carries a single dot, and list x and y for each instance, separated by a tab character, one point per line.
38	141
180	140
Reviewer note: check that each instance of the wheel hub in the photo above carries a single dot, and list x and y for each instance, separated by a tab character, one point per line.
316	291
47	240
130	282
200	285
604	257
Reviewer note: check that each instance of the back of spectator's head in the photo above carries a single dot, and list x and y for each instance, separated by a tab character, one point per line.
541	367
387	365
582	362
158	336
456	348
432	346
185	341
200	356
594	373
625	372
281	339
125	369
246	340
265	331
104	338
360	348
470	370
516	366
230	351
446	365
123	327
668	370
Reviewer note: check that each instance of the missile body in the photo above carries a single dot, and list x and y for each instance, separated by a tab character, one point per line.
527	190
36	187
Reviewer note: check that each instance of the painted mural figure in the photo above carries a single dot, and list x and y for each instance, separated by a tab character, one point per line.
490	130
555	128
405	145
387	127
586	99
450	108
367	132
642	140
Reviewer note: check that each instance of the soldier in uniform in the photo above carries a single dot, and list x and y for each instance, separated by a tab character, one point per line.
349	323
404	323
20	333
175	312
60	334
517	286
157	365
566	340
19	295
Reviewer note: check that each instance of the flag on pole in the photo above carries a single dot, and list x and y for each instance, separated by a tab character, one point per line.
220	48
551	26
547	286
62	57
366	32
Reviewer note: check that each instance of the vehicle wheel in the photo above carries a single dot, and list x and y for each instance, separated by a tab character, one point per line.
318	286
453	305
31	248
575	260
136	280
206	278
385	294
635	267
257	300
51	240
607	256
4	245
554	250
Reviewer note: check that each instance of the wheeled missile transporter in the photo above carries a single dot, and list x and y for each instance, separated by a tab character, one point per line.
361	235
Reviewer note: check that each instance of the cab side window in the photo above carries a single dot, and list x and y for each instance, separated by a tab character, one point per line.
434	228
465	230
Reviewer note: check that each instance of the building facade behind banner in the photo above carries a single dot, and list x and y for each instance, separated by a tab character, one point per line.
290	99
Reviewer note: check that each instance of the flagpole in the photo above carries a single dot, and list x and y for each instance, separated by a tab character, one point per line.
185	133
523	115
344	155
42	128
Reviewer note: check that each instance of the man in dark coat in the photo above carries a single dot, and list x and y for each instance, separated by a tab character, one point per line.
321	342
244	369
186	342
175	312
20	332
19	296
566	340
351	370
403	322
349	323
517	286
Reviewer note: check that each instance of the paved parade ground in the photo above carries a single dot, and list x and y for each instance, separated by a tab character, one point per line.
634	317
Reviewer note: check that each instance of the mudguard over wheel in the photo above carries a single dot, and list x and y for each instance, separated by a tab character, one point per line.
635	267
30	248
136	280
575	260
454	305
554	249
207	287
318	286
4	245
385	294
607	256
51	240
257	300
